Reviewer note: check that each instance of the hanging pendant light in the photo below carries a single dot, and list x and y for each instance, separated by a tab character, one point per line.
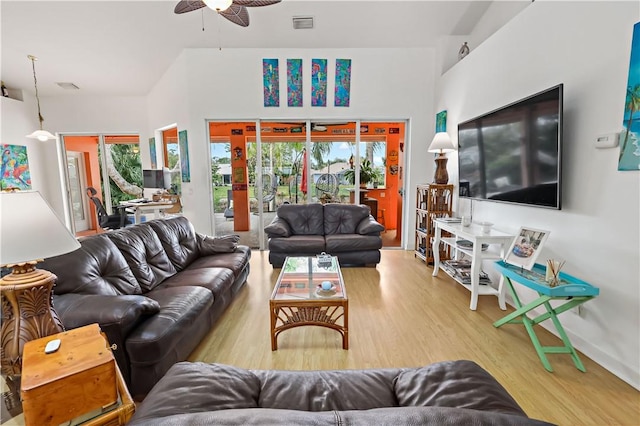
41	135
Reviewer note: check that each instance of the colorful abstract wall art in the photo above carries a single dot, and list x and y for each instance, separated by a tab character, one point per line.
14	169
319	82
185	167
630	137
294	82
271	82
343	82
441	121
152	152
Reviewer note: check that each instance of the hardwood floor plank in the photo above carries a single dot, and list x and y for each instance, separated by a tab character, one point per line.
400	316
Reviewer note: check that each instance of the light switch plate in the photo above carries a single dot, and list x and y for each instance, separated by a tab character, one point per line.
607	141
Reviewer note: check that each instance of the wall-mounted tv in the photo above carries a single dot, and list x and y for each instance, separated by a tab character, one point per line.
153	178
513	154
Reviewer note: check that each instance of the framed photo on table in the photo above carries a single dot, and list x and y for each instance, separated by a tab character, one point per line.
526	247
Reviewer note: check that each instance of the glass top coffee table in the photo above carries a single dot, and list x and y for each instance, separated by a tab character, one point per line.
299	298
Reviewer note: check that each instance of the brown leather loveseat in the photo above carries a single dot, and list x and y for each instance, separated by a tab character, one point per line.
346	231
444	393
155	289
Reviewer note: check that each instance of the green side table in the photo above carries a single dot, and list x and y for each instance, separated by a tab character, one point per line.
570	289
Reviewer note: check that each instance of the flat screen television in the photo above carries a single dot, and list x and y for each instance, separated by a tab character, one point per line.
513	154
153	178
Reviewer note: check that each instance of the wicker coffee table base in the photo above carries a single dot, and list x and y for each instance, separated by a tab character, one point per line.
286	314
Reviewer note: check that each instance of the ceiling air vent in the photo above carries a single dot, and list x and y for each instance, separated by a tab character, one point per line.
68	86
302	22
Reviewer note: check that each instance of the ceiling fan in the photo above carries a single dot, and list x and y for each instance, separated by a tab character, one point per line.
233	10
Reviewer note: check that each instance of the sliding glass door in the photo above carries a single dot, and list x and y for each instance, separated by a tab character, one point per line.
258	166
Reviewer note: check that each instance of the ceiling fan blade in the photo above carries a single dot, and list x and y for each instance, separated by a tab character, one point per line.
237	14
185	6
255	3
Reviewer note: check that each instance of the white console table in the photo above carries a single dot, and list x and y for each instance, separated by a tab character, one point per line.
498	243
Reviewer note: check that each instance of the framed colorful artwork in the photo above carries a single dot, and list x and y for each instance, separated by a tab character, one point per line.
14	169
152	152
343	82
294	82
441	121
271	82
629	158
319	82
185	167
526	247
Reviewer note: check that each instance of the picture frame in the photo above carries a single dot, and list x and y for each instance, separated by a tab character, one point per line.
526	247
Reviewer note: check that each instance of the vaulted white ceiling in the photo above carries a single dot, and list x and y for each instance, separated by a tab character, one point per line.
122	47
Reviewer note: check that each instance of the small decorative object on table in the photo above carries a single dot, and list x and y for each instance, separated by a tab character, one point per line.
324	260
486	227
552	272
326	289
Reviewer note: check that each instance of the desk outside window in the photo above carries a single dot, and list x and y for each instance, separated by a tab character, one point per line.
140	207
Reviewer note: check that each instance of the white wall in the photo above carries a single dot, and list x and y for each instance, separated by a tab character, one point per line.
227	85
585	46
19	118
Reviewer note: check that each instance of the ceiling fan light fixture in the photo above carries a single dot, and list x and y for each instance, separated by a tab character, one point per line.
218	5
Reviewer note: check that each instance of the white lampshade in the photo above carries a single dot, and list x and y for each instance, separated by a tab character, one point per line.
218	5
441	143
41	135
30	230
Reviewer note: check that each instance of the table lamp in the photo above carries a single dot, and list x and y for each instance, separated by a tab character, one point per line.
441	143
29	232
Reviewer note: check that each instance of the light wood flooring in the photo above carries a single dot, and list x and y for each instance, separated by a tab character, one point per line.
399	316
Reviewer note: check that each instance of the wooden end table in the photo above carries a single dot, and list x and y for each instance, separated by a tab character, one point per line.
79	383
298	300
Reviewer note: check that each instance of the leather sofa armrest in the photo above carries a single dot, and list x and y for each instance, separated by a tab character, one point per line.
278	228
77	310
116	316
369	226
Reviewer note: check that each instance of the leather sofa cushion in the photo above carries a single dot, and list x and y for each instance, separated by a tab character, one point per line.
424	416
208	245
303	219
199	393
178	239
199	387
327	390
144	253
236	261
369	226
278	228
297	245
343	218
180	308
465	386
97	267
340	243
217	280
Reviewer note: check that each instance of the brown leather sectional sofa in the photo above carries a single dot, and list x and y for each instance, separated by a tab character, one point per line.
155	289
445	393
347	231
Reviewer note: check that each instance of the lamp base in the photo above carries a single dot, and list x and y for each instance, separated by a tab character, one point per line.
441	177
27	313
